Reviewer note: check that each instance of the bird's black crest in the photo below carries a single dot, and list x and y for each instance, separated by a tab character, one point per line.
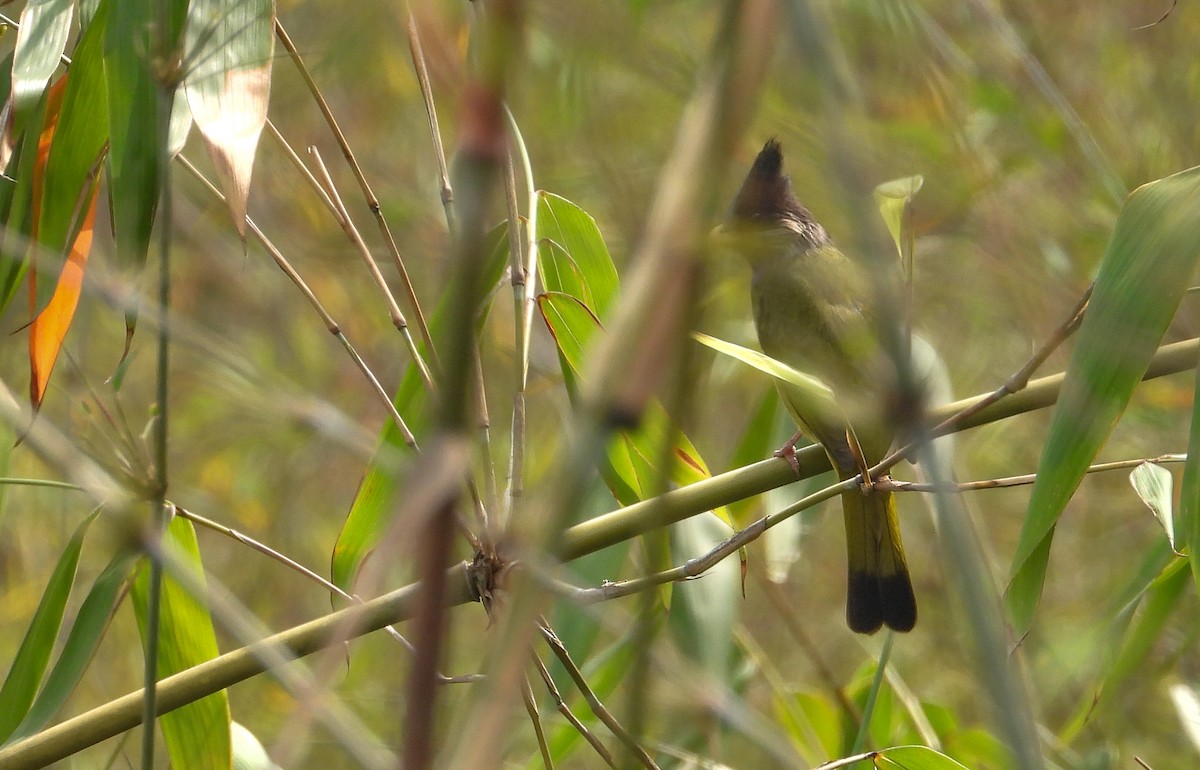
767	194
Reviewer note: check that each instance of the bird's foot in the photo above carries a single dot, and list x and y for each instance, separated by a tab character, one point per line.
788	452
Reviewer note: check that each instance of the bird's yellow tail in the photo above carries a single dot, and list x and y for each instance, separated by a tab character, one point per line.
879	588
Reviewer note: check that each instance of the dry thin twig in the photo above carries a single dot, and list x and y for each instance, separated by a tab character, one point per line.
417	51
330	324
569	715
524	268
597	707
372	201
1159	20
1016	481
535	720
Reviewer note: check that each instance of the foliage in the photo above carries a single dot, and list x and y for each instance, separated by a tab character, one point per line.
400	360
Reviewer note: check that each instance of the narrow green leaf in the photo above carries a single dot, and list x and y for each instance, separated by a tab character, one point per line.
29	665
814	722
1142	277
41	41
1146	629
1121	610
231	45
133	159
803	388
915	758
1155	485
573	259
368	516
86	634
197	735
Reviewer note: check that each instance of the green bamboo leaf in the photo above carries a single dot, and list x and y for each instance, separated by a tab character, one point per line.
1154	484
573	327
134	169
803	388
632	469
815	723
85	636
1145	630
41	41
373	503
573	258
135	157
1121	611
33	655
572	324
197	735
915	758
231	45
1142	277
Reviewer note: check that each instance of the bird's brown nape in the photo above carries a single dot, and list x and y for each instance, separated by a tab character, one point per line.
766	194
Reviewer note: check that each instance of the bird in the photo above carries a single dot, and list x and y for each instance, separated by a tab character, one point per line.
814	311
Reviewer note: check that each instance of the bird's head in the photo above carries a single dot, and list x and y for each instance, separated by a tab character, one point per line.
766	213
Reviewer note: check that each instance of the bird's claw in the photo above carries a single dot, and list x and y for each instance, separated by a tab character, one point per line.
788	452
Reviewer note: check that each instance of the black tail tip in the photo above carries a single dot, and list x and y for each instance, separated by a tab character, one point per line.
873	601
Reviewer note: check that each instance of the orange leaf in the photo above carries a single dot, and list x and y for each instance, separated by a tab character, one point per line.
53	105
37	384
49	329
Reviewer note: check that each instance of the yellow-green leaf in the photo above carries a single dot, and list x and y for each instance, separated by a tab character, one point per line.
893	198
197	735
802	388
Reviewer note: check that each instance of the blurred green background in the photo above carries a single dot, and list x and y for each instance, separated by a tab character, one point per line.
1029	123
